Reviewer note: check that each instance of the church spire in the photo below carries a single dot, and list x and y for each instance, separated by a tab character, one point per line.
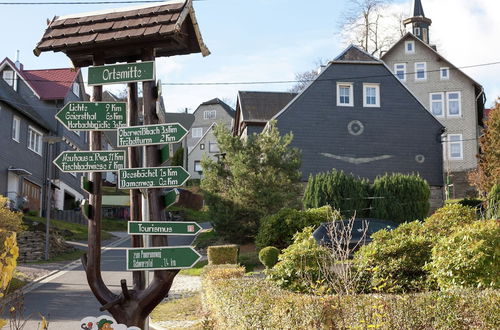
419	23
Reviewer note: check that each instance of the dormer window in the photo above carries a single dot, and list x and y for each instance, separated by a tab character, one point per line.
8	77
410	47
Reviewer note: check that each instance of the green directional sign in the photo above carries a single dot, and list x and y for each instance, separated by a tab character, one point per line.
156	258
150	134
88	116
86	184
163	228
90	161
166	153
121	73
152	177
170	197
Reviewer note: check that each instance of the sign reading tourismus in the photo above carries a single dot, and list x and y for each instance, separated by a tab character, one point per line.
90	161
150	134
152	177
163	228
88	116
121	73
169	257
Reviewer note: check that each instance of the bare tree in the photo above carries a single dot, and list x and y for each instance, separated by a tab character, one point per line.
304	78
371	26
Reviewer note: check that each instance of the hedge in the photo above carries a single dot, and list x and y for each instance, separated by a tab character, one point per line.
223	254
249	303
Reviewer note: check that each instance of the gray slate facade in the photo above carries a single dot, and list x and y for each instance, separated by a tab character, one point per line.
336	126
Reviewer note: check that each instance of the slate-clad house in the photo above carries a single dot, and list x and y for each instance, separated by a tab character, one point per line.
201	140
255	109
38	95
451	96
358	117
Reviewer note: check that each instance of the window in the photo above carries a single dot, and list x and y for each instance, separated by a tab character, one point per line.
76	89
34	140
197	132
209	114
400	71
344	94
8	76
410	47
453	100
371	95
202	146
213	147
444	73
16	128
437	104
455	146
197	166
416	31
420	71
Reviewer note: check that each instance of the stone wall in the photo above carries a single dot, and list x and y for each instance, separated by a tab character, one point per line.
32	246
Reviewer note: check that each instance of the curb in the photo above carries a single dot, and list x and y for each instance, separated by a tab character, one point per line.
59	272
153	326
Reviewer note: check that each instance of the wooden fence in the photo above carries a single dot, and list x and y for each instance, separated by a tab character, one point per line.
69	216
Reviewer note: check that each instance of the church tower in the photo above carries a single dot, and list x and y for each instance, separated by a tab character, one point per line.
419	23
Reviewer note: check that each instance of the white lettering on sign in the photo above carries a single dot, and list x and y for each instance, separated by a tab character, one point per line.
130	73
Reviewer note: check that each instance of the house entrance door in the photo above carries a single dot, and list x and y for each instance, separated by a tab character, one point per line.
34	194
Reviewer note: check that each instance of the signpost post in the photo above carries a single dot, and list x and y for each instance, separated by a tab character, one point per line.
152	177
90	116
150	135
157	258
91	161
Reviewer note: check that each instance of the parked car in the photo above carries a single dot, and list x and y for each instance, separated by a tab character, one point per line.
356	232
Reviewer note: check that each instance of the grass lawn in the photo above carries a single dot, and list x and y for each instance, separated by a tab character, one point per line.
79	232
113	224
183	309
196	270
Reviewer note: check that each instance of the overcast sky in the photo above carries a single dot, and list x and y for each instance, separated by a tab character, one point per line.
271	40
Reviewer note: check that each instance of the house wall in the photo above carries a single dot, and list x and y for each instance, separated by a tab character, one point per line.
394	138
197	154
222	117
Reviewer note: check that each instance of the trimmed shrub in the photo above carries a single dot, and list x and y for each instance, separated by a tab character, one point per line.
268	256
223	254
493	211
222	272
341	191
278	229
298	268
400	197
470	257
447	218
248	303
394	260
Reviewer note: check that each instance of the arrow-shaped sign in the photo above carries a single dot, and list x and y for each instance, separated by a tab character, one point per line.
86	184
163	228
170	197
169	257
90	161
152	177
88	116
134	136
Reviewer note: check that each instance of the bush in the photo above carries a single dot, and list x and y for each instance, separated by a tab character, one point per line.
9	220
493	211
447	218
222	272
298	268
223	254
400	197
394	260
343	192
8	261
268	256
248	303
470	257
278	229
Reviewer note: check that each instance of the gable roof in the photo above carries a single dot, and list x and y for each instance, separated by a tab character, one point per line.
230	111
13	99
355	54
412	36
119	35
202	137
51	84
262	106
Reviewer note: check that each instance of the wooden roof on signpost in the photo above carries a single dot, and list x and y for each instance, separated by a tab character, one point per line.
120	35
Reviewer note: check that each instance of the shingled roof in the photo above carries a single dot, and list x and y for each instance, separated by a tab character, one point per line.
120	35
51	84
262	106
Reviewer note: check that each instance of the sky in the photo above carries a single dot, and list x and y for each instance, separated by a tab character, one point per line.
269	41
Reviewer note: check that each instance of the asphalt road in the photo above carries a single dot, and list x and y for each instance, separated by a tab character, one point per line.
66	298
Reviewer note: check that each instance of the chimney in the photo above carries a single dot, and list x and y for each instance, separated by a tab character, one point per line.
18	64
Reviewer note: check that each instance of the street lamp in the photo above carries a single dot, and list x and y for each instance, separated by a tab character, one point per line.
50	140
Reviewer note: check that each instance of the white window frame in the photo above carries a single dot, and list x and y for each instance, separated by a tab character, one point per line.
424	70
416	30
197	132
377	95
38	143
412	51
76	89
351	94
197	166
459	142
9	80
209	114
16	128
403	65
459	104
443	69
431	101
211	145
202	146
